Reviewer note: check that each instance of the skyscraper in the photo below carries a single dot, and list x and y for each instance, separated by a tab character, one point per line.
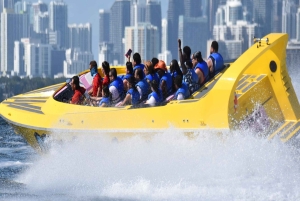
289	12
137	11
13	28
58	21
277	16
262	15
153	16
145	42
41	22
192	8
104	26
212	9
174	11
80	36
118	21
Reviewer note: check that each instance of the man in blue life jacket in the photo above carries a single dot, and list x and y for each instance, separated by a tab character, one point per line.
142	85
116	87
137	63
215	60
182	90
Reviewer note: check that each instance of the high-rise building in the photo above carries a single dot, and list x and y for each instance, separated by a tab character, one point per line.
277	16
106	53
104	26
41	22
76	62
39	7
153	16
137	12
80	37
58	21
289	12
298	25
145	42
19	61
262	15
175	9
164	35
212	9
13	28
118	21
234	11
197	42
58	57
193	8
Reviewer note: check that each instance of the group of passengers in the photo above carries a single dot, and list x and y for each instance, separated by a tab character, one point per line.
150	83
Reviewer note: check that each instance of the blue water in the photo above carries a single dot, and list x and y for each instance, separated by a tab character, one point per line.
170	166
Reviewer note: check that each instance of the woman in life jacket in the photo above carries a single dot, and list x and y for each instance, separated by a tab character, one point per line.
156	97
79	91
182	90
129	74
132	96
150	73
166	82
175	70
106	97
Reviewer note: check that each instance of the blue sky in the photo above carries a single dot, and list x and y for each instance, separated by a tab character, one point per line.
87	11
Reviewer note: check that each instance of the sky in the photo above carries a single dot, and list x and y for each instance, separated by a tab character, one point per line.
87	11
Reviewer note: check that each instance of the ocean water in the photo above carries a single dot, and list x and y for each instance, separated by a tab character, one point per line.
169	166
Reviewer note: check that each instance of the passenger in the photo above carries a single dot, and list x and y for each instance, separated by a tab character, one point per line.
78	91
96	89
215	61
200	67
116	87
156	97
165	84
154	61
142	85
150	73
105	70
182	90
129	74
189	75
132	96
106	97
175	70
137	62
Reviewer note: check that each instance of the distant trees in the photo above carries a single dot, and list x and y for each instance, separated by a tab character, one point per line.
15	85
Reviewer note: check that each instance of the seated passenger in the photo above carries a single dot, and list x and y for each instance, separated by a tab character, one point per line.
137	62
106	97
79	91
132	96
215	61
189	75
182	90
96	89
129	71
175	69
141	84
166	82
154	61
150	73
105	70
200	67
156	97
116	87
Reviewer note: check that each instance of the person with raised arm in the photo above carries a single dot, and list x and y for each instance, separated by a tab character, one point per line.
189	75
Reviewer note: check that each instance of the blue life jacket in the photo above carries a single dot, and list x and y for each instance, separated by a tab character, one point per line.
152	77
168	79
158	97
144	86
127	76
184	90
105	100
195	77
135	96
204	68
141	66
217	61
118	83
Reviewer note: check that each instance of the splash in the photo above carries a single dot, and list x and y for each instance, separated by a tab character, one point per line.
169	166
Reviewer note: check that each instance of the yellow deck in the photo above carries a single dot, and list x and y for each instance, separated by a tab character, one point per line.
212	107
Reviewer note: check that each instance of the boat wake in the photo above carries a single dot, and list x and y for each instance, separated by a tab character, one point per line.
169	166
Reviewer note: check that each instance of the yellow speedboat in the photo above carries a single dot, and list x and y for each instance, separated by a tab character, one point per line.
254	92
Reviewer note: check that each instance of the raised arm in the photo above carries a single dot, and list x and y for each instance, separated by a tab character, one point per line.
183	67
